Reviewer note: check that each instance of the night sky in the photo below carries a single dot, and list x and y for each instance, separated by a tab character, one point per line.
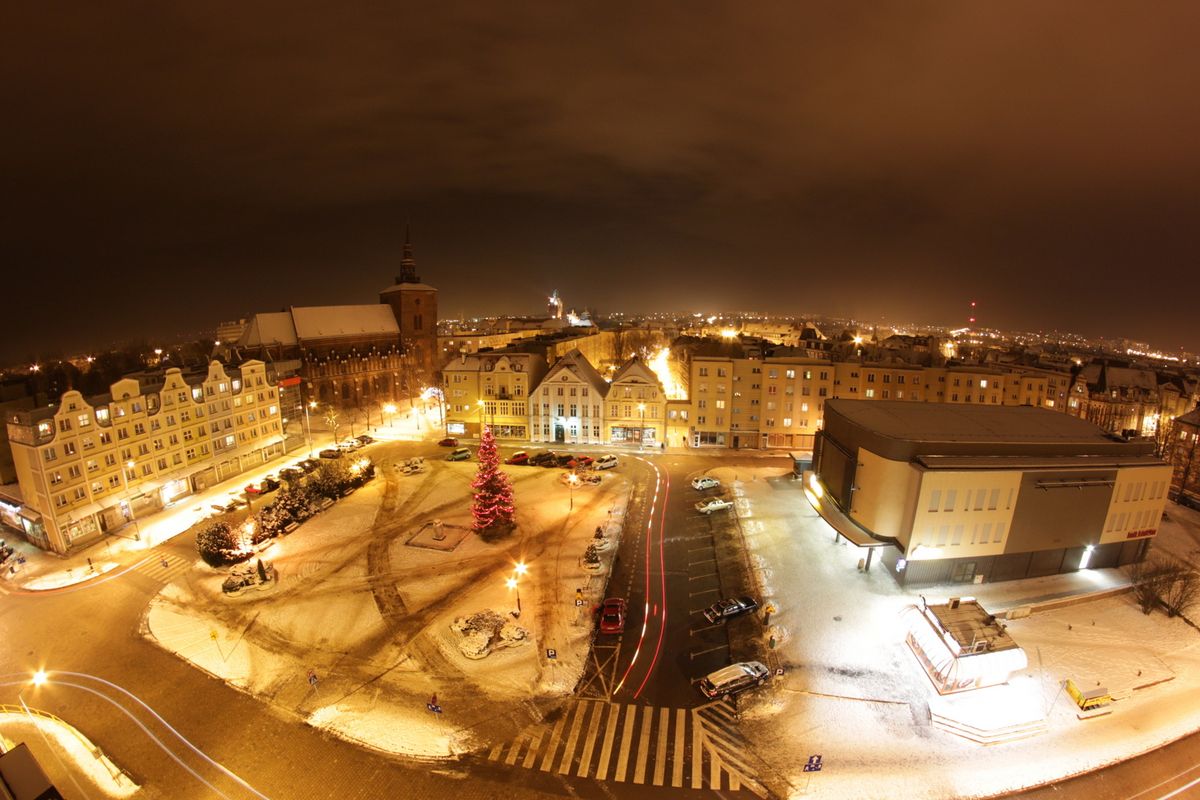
170	165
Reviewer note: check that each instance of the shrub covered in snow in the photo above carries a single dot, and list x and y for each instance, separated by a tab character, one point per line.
485	631
219	545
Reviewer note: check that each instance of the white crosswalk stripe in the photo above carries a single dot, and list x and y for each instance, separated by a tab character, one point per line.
163	566
700	747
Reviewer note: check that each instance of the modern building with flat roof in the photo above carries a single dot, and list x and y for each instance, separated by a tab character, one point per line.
975	493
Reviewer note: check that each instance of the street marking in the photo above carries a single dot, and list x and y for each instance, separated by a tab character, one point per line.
677	756
692	655
626	741
697	751
610	730
660	755
639	772
585	758
581	710
705	575
703	591
534	744
516	749
702	561
552	747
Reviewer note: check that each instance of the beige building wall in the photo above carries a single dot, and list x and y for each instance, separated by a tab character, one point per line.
1135	511
963	513
884	500
87	469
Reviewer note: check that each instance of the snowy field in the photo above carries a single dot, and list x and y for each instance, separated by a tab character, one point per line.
365	604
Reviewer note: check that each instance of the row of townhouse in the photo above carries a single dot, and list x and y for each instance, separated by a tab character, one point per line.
89	466
734	401
523	400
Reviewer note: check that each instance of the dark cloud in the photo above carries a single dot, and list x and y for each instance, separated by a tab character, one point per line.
169	165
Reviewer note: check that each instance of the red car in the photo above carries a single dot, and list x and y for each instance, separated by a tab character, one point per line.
519	457
449	441
612	615
584	461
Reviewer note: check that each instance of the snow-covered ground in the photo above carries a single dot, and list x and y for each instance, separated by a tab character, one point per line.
854	693
366	604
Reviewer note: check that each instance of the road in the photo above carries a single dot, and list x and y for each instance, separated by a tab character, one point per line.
661	733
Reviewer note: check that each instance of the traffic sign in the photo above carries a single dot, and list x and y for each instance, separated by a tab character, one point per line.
433	708
814	763
779	672
551	653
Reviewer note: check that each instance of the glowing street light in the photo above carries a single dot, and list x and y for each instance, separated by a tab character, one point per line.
642	424
308	424
572	482
511	583
137	530
389	409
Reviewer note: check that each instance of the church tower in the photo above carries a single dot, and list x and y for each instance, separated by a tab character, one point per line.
415	306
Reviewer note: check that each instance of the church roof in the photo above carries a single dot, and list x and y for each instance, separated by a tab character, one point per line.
402	286
331	322
271	328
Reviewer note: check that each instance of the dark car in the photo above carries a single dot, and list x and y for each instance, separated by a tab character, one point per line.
330	453
612	615
543	459
564	460
364	439
269	484
730	608
309	464
459	454
290	474
734	678
449	441
519	457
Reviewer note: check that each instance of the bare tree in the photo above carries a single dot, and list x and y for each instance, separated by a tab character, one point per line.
333	422
1181	589
1148	578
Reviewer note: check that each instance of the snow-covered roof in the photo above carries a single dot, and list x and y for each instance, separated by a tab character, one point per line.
402	286
575	363
636	371
269	328
328	322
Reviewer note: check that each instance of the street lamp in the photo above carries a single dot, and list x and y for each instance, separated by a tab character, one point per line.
642	424
137	530
572	482
308	424
389	409
481	405
511	583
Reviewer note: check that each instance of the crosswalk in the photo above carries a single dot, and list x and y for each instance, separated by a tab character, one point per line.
698	748
163	566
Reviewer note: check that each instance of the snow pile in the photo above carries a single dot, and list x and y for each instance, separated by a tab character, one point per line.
485	631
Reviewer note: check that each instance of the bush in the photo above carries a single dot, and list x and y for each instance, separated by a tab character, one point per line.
330	479
219	545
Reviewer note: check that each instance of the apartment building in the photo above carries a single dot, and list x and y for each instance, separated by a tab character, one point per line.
637	406
568	404
1183	450
91	466
491	389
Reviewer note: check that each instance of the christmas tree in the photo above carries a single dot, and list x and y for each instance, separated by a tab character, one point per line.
492	508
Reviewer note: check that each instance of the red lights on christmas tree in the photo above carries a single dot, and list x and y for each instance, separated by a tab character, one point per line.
492	506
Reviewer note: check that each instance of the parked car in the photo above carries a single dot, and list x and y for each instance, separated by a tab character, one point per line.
349	445
364	439
605	462
330	453
734	678
705	482
449	441
543	459
713	504
253	488
519	457
730	608
584	461
564	460
291	474
612	615
459	454
309	464
270	483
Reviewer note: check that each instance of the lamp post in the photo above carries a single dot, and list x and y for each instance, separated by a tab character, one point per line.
511	583
641	424
308	424
389	409
481	405
572	482
137	530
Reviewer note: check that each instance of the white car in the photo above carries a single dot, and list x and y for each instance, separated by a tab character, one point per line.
705	482
713	504
605	462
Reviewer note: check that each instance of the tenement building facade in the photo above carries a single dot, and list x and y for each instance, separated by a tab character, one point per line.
91	466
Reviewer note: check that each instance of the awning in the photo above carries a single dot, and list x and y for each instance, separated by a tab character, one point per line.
854	533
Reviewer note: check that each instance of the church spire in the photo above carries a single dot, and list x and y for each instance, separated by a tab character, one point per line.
408	264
